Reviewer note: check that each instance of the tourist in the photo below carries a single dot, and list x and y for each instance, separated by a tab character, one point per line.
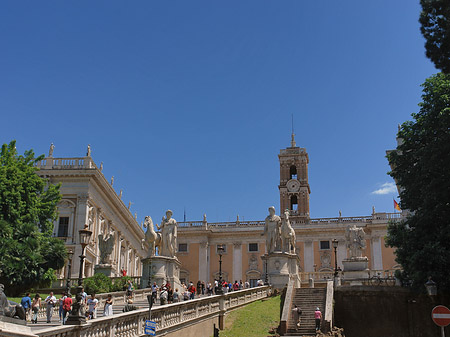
83	296
209	289
163	296
186	295
191	289
317	317
26	304
130	288
154	291
297	313
241	285
235	285
67	306
61	310
108	310
169	294
35	308
129	306
176	296
51	301
216	286
92	307
199	287
246	284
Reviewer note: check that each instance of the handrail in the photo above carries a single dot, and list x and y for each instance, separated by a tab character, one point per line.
287	306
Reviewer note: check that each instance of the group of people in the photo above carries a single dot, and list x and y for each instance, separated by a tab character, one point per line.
65	303
298	313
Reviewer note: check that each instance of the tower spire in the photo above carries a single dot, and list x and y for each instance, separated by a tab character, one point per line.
293	134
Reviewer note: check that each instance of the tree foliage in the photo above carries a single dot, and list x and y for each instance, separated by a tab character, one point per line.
435	27
421	167
28	252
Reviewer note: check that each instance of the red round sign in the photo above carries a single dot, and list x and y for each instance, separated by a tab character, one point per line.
441	315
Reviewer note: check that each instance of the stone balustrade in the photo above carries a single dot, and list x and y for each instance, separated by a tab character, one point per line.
170	317
294	222
66	163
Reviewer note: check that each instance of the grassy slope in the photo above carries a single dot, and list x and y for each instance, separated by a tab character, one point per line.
253	320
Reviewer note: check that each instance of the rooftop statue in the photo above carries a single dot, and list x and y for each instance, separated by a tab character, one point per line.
52	148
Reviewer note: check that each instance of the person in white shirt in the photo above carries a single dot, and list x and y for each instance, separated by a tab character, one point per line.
92	306
51	301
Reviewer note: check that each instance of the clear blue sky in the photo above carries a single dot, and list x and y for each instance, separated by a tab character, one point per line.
188	103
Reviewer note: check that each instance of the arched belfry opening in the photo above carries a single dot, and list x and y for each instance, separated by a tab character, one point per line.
293	172
294	203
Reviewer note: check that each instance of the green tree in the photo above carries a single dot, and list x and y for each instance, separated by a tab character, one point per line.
28	252
435	27
421	168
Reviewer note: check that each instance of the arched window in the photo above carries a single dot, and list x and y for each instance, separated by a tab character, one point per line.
294	203
293	172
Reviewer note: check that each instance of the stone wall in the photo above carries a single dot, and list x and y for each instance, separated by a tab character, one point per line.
386	311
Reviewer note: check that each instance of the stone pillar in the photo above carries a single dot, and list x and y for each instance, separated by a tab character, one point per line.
309	256
237	261
377	258
203	262
341	253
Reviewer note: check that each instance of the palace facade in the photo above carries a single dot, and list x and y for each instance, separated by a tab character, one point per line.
244	243
89	199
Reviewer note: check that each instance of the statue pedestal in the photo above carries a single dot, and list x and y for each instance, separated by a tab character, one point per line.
281	267
105	269
356	269
14	327
161	269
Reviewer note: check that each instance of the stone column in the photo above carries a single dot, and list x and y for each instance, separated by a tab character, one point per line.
309	256
341	253
377	258
237	261
203	262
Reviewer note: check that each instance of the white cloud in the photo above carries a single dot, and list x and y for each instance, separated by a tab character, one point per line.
386	188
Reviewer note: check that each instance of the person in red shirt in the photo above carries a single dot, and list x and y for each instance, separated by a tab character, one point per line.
67	306
236	286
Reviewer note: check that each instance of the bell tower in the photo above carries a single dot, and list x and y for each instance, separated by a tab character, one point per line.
294	186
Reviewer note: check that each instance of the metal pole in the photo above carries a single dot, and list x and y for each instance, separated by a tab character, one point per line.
442	332
69	268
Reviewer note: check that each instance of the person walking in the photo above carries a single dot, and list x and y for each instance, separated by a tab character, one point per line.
297	314
108	310
35	308
51	301
318	318
130	289
61	310
176	296
26	304
92	306
67	306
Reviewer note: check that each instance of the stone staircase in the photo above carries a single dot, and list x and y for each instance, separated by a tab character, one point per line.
307	299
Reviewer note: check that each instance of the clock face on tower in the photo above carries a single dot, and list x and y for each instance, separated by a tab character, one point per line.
293	185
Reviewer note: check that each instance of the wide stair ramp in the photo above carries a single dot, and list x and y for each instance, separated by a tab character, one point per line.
307	299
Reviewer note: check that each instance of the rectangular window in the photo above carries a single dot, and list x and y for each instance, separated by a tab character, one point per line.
182	247
324	244
252	247
63	227
224	248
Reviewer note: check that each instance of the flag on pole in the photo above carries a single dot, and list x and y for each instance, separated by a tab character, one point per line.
396	206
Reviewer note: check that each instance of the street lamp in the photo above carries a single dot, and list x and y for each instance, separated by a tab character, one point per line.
220	251
77	316
335	245
431	287
69	268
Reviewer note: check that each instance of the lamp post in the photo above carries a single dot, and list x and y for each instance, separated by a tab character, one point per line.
69	269
335	245
220	250
77	316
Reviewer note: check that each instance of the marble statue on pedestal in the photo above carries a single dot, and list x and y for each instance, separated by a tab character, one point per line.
105	246
272	231
168	230
151	237
287	234
355	241
88	151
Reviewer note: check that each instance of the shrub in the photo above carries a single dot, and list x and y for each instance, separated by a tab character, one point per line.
97	284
